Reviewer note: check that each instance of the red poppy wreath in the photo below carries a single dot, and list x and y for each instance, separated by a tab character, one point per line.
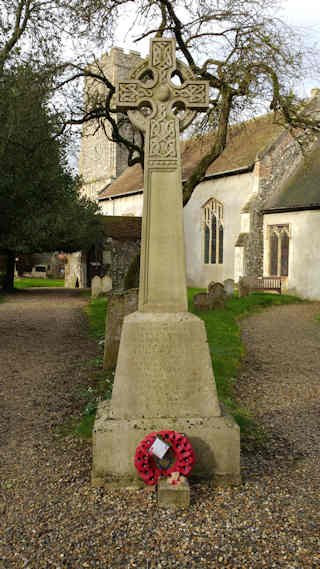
178	456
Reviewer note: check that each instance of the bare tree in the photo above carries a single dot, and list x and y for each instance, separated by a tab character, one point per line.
250	58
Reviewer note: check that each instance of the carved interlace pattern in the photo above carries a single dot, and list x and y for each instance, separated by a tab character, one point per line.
161	128
163	144
133	92
163	139
162	58
191	93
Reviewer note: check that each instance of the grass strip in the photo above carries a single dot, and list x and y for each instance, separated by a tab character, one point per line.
100	381
25	282
226	349
97	312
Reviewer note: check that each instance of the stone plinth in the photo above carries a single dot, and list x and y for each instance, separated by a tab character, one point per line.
215	440
164	380
164	368
173	496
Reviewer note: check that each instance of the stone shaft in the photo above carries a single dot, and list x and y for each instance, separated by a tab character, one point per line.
162	270
162	266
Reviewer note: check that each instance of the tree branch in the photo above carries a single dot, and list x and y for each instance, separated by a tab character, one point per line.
23	13
217	148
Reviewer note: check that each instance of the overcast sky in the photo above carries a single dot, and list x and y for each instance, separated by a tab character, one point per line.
305	14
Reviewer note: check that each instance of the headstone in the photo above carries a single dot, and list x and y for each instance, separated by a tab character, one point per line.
202	301
119	305
246	284
96	286
164	377
214	298
229	287
106	284
217	295
243	288
210	286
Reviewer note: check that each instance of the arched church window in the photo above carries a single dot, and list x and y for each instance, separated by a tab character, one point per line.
213	232
221	243
279	236
206	243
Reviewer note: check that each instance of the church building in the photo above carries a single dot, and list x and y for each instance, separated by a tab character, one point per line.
256	212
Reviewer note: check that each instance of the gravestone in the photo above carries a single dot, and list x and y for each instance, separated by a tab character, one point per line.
229	287
119	305
202	301
210	286
214	298
164	377
217	295
96	286
106	285
245	285
243	289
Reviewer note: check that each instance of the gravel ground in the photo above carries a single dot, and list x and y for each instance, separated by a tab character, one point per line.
50	517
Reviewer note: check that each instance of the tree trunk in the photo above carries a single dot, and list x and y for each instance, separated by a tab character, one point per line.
8	283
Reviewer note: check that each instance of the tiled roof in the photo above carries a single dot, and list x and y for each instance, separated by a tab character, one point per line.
302	190
122	227
244	142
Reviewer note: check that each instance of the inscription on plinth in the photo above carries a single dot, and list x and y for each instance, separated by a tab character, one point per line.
164	368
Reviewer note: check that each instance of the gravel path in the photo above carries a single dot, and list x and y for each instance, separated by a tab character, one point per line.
50	517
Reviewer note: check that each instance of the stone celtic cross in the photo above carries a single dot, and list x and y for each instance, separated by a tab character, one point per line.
162	269
164	376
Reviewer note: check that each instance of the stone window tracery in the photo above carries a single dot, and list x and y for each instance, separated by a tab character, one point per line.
213	232
279	236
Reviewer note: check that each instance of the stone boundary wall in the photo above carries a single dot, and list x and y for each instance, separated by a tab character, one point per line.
122	254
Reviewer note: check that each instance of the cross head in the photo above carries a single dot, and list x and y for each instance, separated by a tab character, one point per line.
153	89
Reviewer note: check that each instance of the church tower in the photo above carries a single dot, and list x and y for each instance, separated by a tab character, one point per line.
101	160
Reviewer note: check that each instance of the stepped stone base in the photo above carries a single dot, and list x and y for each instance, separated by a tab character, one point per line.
164	380
215	440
